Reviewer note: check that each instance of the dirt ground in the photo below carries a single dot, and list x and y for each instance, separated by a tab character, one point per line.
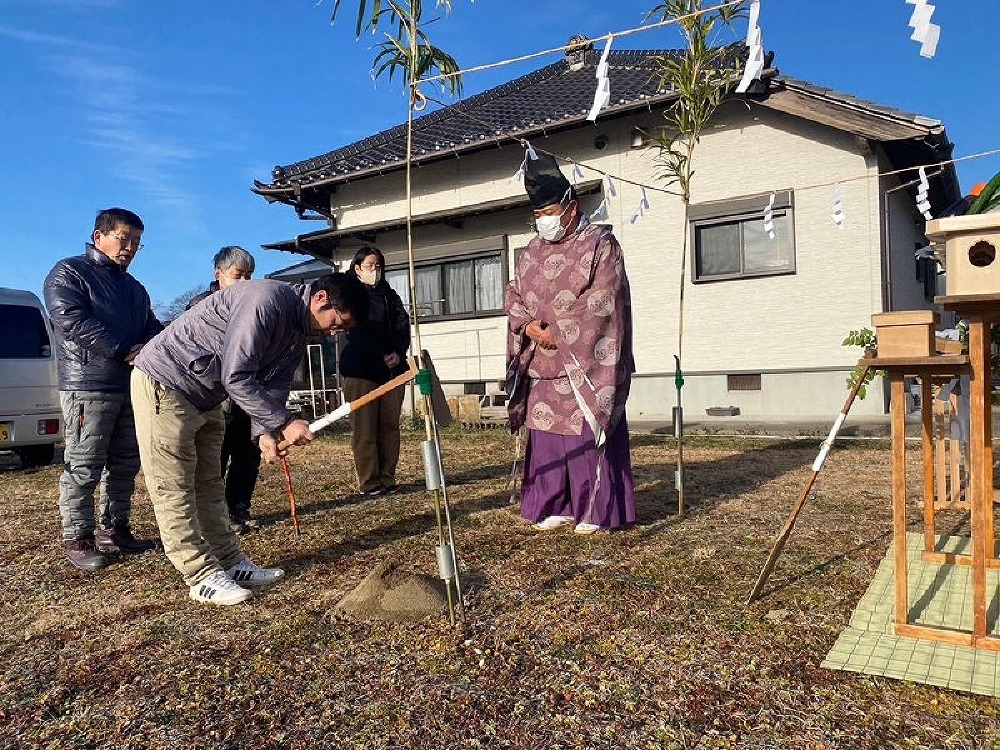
633	639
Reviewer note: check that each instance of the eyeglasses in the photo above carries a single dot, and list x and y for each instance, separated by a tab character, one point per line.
366	267
132	242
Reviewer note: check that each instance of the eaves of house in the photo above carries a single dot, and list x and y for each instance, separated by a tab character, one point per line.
557	98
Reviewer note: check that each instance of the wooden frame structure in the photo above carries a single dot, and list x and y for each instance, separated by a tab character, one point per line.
981	311
951	465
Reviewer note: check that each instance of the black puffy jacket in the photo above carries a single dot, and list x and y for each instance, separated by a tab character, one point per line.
387	330
212	289
99	312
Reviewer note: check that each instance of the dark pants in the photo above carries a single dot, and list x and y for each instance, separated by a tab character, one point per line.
101	448
374	434
240	464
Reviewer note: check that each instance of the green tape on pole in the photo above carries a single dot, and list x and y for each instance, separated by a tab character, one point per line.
424	381
678	379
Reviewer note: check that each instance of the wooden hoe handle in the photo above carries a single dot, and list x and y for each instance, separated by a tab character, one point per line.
348	406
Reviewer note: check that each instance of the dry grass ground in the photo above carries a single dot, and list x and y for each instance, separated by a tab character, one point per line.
636	639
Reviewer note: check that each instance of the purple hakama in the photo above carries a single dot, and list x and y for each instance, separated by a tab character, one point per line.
559	473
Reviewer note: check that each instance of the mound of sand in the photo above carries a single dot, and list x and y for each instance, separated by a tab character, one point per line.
394	592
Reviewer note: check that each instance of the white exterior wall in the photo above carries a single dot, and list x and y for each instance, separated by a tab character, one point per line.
788	328
906	232
776	322
439	186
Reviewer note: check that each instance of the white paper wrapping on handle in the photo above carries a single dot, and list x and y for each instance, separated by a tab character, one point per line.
339	413
828	443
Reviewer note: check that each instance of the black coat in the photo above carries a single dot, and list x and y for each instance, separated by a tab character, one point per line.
386	330
212	289
99	312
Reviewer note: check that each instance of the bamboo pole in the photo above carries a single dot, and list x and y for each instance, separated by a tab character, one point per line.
430	424
786	530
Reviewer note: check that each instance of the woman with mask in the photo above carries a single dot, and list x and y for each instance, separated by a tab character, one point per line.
374	354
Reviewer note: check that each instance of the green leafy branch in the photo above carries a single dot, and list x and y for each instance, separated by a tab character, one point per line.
407	49
988	199
865	338
701	75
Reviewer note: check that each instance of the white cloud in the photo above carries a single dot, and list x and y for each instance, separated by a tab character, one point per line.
122	118
84	6
140	126
36	38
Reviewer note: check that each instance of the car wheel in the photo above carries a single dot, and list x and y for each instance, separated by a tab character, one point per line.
36	455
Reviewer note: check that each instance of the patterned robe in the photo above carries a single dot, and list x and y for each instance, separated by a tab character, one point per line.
579	287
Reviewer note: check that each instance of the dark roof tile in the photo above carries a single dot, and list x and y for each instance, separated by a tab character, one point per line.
551	96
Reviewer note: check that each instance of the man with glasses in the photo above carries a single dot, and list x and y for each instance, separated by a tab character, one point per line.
243	343
102	317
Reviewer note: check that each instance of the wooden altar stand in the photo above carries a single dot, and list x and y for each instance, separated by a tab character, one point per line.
981	311
977	494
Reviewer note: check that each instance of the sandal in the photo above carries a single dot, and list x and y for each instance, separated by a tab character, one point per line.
552	522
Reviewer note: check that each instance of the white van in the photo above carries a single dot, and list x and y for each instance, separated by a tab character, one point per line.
30	415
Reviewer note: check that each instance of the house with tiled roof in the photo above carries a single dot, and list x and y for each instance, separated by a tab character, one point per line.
764	317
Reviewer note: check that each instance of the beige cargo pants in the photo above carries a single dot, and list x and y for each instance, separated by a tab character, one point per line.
180	448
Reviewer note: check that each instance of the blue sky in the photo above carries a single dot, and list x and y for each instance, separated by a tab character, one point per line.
173	109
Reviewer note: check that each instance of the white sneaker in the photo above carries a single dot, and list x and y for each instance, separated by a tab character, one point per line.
586	528
248	573
219	589
552	522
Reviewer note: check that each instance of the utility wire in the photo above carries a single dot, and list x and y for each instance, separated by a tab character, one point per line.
615	34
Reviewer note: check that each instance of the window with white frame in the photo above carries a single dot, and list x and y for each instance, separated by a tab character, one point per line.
729	241
465	287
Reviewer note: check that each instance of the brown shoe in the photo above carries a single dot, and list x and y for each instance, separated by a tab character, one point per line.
83	555
120	539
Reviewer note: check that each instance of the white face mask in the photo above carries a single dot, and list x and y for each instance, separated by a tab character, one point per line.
550	228
369	277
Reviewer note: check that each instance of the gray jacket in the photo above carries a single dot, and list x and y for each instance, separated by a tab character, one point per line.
243	342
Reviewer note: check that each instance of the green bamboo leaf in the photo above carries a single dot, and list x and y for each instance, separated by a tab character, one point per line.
700	75
413	58
988	198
